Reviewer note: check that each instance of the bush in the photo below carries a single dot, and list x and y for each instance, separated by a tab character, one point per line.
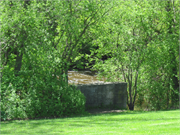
3	115
40	98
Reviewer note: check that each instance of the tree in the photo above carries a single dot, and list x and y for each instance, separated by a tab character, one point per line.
138	40
10	47
75	25
127	47
28	63
162	61
40	40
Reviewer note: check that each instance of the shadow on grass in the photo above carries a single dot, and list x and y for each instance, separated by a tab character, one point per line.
87	114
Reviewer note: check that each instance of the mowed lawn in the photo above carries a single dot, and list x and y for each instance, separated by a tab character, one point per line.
135	122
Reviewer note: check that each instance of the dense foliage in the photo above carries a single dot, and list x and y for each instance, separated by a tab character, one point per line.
142	38
40	40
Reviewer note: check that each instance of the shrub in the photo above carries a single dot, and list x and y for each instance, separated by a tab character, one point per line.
41	98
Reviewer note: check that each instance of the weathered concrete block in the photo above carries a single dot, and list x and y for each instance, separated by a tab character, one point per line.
105	94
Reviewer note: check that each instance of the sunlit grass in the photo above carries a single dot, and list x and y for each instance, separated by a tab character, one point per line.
135	122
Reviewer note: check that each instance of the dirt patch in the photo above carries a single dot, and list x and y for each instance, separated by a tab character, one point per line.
99	111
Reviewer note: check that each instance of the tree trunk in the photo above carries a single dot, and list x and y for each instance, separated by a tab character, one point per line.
131	106
175	91
18	63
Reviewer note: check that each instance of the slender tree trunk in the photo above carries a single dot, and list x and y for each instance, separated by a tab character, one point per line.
131	106
18	62
175	91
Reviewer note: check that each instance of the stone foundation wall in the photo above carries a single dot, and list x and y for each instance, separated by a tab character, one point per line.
105	94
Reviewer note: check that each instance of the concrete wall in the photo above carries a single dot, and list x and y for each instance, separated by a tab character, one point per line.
105	94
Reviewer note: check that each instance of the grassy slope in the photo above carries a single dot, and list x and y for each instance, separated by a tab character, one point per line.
160	122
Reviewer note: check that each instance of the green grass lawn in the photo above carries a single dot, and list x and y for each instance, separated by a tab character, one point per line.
135	122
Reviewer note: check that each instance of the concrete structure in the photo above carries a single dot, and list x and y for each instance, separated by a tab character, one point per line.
107	95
